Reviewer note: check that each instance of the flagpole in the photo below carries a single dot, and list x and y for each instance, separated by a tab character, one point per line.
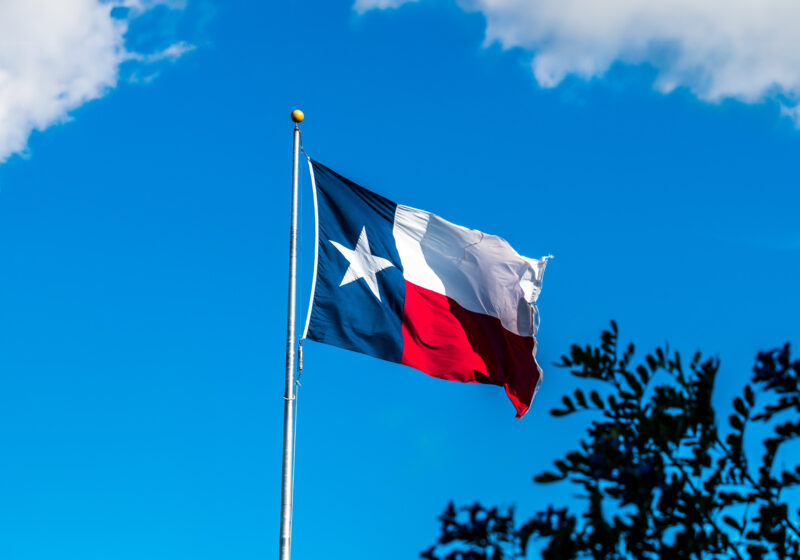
287	478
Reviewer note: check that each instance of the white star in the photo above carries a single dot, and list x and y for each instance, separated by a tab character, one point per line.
363	264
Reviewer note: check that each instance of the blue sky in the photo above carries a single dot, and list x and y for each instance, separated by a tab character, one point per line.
144	249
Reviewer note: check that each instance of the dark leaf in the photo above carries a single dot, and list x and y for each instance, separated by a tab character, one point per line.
738	404
732	522
748	395
595	396
546	478
634	383
559	412
575	457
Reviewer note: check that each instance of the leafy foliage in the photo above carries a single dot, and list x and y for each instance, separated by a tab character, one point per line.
657	480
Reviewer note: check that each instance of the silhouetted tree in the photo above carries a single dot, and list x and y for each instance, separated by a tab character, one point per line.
657	479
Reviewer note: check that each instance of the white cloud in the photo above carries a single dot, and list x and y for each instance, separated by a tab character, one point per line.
747	50
57	55
362	6
172	52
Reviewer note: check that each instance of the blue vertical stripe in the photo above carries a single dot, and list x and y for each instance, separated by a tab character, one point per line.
350	316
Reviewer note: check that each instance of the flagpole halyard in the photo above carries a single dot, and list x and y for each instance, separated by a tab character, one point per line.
316	256
287	475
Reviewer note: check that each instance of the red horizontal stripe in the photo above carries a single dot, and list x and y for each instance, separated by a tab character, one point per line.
444	340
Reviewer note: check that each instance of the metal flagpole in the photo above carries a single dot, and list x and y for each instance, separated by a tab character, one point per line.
287	477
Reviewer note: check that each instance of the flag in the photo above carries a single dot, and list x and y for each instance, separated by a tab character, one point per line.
406	286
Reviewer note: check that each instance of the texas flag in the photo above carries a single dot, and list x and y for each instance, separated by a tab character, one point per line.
406	286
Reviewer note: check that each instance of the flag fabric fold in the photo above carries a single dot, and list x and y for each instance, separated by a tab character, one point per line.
407	286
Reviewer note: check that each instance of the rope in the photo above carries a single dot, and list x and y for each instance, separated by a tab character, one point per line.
301	147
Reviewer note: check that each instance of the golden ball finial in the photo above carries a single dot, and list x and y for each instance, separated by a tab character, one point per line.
298	116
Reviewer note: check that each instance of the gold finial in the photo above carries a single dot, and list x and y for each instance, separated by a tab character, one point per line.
298	116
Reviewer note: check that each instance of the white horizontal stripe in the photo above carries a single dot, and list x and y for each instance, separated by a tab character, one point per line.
410	225
481	272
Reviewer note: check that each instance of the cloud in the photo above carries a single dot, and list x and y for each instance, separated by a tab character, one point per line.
56	56
747	50
172	52
362	6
